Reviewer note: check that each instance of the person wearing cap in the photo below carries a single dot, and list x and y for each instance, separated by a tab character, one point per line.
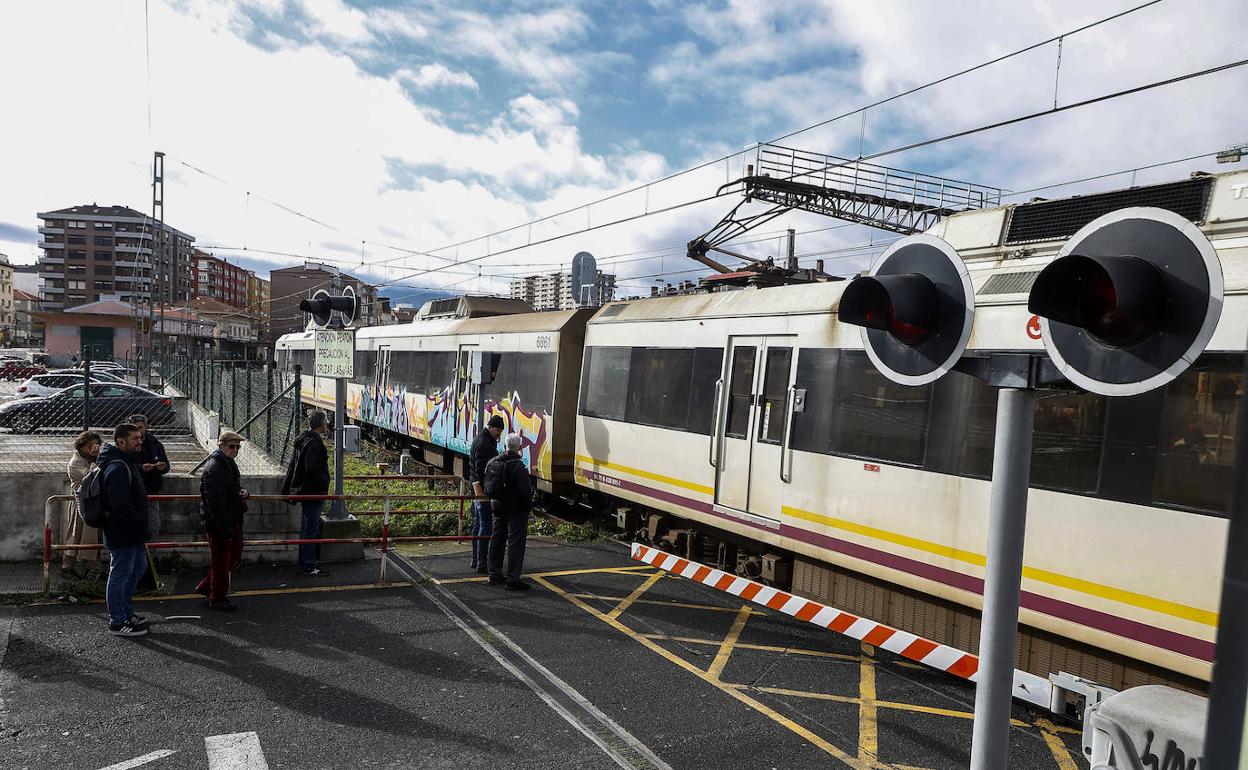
224	501
152	457
484	449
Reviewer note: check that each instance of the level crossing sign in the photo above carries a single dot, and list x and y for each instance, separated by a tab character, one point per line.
335	353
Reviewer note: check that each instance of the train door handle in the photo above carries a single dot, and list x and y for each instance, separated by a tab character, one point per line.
786	453
719	394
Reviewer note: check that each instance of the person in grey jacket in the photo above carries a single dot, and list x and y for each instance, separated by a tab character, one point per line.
511	513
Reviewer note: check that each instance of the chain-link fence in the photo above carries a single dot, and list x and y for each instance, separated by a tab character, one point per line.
258	401
42	411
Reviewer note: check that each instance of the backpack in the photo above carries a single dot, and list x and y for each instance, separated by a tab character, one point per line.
497	485
90	498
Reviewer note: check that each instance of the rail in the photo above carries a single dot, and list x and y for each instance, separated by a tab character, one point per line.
385	540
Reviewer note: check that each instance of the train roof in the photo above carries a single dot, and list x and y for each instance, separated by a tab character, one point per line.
518	323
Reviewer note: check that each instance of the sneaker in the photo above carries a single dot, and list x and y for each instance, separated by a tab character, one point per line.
517	585
225	606
127	629
496	580
314	572
139	620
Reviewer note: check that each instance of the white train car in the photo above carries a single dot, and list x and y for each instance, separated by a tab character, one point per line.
433	383
757	417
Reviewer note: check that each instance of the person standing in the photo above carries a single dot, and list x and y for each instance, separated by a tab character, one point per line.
124	500
86	449
152	457
224	502
511	497
484	448
308	474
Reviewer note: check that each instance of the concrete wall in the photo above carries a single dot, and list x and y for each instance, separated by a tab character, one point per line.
21	517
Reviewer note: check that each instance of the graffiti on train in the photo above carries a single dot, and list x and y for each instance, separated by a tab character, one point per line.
430	417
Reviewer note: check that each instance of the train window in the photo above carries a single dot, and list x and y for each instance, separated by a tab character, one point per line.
707	365
775	395
740	392
658	387
816	374
535	381
1196	455
1067	438
441	371
415	369
604	382
875	417
502	378
365	361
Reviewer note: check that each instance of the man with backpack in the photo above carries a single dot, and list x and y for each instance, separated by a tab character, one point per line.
308	474
123	501
224	502
511	496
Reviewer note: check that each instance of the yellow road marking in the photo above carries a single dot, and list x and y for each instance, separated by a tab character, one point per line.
1112	593
881	704
700	488
268	592
868	726
557	573
665	603
627	601
760	647
767	711
716	669
1061	754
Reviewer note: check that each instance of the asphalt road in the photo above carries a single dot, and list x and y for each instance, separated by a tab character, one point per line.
605	663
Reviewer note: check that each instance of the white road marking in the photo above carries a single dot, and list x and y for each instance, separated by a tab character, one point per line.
184	617
140	761
446	598
235	751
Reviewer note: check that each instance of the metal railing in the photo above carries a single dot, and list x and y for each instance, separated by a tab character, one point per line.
50	547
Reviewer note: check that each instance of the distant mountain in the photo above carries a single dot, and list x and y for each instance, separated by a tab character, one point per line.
414	297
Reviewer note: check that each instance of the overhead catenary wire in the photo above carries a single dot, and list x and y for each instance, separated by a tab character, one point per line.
713	162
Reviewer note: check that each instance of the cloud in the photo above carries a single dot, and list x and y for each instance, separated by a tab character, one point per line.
13	232
436	75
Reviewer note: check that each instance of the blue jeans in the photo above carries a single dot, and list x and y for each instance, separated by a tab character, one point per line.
124	572
309	529
481	527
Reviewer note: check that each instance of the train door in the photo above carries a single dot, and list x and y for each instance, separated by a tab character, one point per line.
381	370
752	428
463	414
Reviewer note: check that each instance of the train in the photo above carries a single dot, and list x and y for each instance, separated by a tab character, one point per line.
749	430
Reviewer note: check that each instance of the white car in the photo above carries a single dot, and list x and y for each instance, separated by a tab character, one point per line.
54	382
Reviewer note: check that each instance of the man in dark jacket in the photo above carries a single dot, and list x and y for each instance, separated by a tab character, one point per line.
511	497
308	474
484	449
124	500
224	502
152	457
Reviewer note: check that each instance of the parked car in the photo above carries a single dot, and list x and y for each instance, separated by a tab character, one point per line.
110	405
19	370
54	382
105	376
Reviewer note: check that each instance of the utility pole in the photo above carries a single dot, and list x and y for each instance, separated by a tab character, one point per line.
158	218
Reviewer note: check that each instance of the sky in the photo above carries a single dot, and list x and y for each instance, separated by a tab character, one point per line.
414	144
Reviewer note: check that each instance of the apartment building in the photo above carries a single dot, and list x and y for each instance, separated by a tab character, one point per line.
258	296
220	280
553	291
91	251
7	317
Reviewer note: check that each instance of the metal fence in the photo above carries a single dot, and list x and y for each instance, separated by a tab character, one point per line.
258	401
42	411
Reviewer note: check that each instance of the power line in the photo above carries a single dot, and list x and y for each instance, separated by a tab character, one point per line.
706	164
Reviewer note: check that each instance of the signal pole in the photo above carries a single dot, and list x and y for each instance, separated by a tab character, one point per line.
1003	578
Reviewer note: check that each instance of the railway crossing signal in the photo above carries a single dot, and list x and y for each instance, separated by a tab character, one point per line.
322	306
915	307
1130	302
